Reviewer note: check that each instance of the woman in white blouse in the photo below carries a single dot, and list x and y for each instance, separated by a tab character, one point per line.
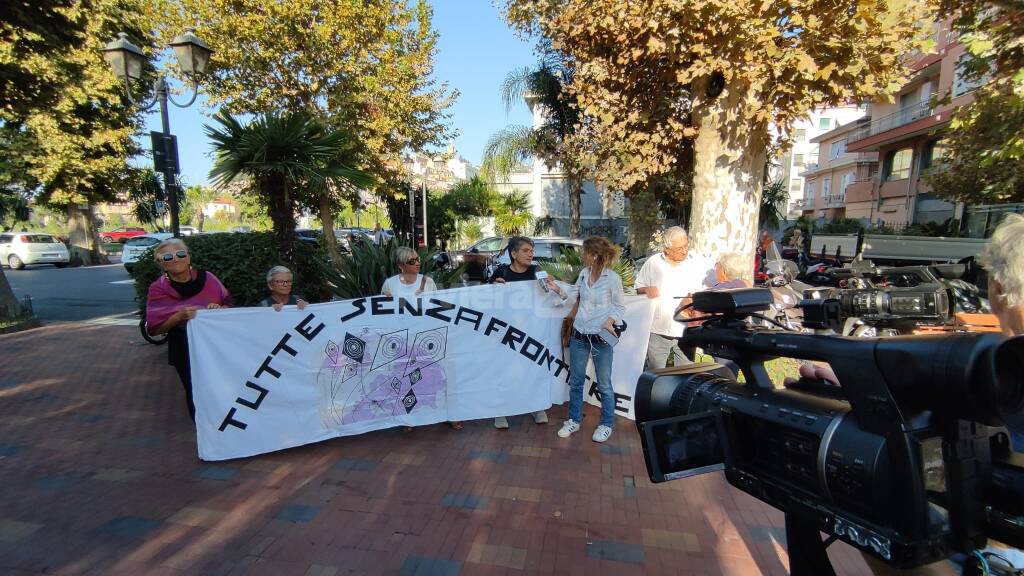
409	283
600	306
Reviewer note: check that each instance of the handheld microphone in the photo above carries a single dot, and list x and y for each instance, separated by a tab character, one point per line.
542	277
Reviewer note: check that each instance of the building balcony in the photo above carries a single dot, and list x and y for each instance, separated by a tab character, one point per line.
861	191
895	120
835	200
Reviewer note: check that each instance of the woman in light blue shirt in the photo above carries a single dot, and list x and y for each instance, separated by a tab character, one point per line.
600	306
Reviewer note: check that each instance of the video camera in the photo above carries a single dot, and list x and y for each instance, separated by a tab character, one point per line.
905	460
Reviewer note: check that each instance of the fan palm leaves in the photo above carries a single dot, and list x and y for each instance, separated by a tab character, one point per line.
773	197
551	142
568	265
289	156
512	214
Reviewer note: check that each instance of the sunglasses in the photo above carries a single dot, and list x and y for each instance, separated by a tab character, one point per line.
181	254
282	282
412	262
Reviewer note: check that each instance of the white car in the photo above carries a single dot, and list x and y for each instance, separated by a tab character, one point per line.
188	230
135	247
19	249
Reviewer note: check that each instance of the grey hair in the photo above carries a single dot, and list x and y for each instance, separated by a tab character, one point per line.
673	234
733	265
169	242
1003	257
402	254
516	242
277	270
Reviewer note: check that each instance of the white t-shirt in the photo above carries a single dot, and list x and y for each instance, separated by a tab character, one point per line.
673	283
395	287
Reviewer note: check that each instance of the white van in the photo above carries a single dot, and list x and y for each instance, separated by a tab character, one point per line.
19	249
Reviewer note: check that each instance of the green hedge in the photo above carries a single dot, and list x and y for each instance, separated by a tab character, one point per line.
241	262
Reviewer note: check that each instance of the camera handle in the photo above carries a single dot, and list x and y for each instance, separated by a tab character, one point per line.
806	549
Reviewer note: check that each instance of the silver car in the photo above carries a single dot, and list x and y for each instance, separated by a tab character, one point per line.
134	248
20	249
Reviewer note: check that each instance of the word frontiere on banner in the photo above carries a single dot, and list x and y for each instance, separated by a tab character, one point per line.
265	381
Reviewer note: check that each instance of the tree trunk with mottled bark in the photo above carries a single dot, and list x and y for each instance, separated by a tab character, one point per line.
327	222
84	243
643	219
729	158
575	185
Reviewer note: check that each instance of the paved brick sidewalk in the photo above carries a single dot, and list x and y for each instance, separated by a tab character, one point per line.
99	475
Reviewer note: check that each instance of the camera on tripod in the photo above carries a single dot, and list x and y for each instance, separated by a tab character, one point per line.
907	459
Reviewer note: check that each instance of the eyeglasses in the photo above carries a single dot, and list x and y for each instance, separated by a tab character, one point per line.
412	262
281	282
181	254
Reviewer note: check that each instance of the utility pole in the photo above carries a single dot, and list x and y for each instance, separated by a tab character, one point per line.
424	214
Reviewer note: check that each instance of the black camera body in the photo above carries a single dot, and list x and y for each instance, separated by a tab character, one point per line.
906	460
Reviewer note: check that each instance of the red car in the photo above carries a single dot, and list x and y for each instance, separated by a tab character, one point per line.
121	234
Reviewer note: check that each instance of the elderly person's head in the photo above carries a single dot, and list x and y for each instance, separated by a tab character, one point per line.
731	267
675	244
765	240
407	260
173	257
520	250
279	280
1003	258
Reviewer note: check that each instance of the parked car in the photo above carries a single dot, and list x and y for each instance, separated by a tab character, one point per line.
545	249
477	257
242	229
19	249
121	234
136	247
188	230
309	235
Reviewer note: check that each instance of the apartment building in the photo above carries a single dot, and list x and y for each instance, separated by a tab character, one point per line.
827	182
906	136
805	151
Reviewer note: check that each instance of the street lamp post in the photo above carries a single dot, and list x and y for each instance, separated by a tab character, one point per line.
127	61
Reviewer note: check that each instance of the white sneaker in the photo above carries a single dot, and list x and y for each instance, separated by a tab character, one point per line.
602	433
540	417
501	423
568	428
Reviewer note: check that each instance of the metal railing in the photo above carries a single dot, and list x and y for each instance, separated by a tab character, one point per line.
835	200
895	120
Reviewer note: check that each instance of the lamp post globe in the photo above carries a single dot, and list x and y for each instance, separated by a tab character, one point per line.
192	53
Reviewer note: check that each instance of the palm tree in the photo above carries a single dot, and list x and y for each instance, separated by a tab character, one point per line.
552	141
288	156
512	214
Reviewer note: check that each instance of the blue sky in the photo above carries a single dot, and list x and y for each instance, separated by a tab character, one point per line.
475	51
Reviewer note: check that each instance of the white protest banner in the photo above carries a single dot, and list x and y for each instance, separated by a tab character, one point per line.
266	380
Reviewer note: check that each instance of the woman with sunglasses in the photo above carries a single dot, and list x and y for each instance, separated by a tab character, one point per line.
409	284
173	300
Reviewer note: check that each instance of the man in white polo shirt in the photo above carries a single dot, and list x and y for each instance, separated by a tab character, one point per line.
668	277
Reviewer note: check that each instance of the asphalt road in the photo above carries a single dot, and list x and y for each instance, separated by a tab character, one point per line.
75	294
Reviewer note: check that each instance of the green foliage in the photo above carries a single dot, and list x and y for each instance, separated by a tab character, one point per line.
773	197
466	200
144	190
363	272
291	158
241	262
840	226
61	105
984	145
364	65
569	264
470	232
512	214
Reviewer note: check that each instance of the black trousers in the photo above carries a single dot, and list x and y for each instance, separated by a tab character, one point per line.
177	356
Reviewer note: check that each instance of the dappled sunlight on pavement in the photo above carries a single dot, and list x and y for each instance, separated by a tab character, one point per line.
100	475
